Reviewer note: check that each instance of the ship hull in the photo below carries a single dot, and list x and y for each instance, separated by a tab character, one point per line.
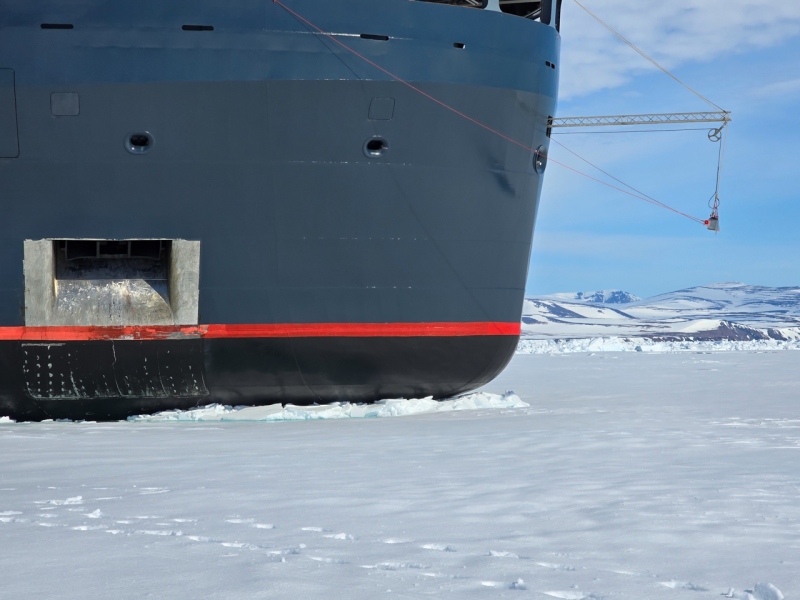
101	380
259	155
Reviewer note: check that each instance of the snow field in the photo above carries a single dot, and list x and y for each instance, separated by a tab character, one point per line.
629	475
625	344
399	407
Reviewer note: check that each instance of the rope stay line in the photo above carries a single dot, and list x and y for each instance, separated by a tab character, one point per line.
713	221
718	134
635	193
642	195
646	56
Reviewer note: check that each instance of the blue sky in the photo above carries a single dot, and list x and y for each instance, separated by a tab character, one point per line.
743	55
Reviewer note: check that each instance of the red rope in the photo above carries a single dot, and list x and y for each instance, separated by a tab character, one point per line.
643	196
473	120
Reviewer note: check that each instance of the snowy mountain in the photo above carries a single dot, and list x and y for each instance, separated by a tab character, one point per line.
597	297
720	311
736	299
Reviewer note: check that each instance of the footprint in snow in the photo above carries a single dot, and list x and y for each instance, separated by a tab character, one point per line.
152	490
239	545
67	502
339	536
160	532
761	591
555	566
519	584
570	595
444	576
202	538
682	585
250	522
392	566
439	547
501	554
245	545
282	553
334	561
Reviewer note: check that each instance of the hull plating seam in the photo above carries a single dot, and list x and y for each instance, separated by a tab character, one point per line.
295	330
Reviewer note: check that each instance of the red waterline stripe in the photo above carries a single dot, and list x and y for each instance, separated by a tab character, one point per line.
289	330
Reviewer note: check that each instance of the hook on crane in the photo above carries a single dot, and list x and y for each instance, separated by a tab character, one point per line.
712	223
716	135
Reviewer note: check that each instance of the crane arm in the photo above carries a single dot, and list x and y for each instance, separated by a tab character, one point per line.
723	117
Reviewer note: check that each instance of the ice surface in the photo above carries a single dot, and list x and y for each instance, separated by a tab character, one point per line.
385	408
629	476
622	344
767	591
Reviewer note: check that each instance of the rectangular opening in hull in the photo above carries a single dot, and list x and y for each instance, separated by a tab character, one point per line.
95	282
114	249
90	260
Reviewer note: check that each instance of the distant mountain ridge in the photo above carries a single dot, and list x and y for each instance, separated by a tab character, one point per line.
753	298
729	310
596	297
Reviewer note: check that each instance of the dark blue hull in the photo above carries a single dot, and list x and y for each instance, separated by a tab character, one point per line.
258	151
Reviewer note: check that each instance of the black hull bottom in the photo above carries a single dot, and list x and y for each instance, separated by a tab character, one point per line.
110	380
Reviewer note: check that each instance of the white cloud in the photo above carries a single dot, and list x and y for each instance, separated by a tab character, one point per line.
673	33
788	87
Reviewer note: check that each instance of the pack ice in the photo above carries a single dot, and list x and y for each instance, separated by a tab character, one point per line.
607	476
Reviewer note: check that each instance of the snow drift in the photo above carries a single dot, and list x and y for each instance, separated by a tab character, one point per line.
340	410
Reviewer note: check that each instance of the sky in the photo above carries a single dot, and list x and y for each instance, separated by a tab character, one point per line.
744	55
